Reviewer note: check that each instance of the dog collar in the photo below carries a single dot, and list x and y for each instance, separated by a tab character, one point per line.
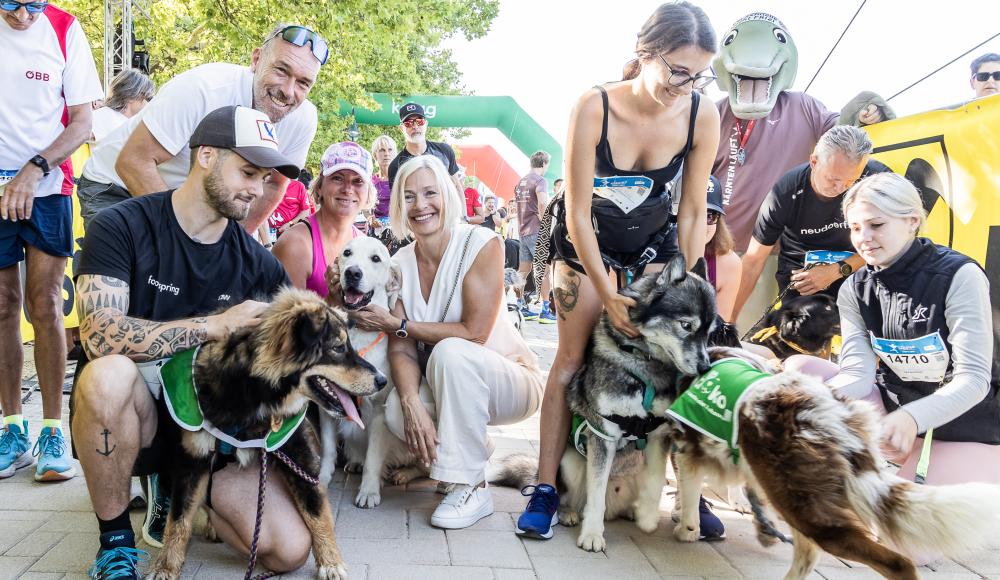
770	331
711	404
181	396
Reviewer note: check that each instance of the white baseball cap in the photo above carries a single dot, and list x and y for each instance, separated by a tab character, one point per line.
347	155
248	132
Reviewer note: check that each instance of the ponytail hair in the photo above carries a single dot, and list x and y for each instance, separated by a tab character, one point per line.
671	26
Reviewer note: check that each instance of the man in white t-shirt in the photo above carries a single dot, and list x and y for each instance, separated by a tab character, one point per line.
149	152
49	80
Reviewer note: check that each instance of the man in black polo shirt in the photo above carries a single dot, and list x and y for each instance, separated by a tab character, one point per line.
803	212
413	124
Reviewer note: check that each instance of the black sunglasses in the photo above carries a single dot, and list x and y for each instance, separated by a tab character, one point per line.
983	77
680	78
300	36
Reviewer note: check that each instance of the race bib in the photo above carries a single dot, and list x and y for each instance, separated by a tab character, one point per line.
6	176
627	193
923	359
825	257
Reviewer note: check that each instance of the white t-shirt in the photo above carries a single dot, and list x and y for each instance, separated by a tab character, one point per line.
180	105
106	120
38	83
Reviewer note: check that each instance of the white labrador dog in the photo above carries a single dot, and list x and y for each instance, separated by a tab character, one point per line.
367	276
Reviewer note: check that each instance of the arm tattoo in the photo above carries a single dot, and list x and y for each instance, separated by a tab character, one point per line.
106	329
567	293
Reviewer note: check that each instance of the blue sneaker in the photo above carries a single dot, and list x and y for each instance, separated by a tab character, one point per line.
546	317
528	314
540	515
53	462
14	449
117	558
157	508
712	529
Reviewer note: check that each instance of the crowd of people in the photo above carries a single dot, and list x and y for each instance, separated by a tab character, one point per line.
198	209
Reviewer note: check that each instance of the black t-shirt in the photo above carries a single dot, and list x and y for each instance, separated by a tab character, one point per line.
171	276
803	220
442	151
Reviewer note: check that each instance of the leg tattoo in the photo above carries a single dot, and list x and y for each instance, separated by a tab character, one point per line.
568	293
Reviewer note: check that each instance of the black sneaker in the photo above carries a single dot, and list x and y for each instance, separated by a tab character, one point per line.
118	558
157	509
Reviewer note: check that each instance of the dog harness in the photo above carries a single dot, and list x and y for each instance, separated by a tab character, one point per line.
766	333
633	428
710	405
181	395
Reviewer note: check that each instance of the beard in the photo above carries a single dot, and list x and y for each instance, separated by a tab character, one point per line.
262	102
219	198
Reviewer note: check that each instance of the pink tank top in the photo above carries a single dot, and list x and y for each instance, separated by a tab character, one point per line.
317	280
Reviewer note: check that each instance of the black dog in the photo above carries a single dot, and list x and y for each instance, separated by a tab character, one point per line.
803	325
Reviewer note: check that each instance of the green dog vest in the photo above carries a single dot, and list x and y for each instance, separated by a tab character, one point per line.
181	396
710	405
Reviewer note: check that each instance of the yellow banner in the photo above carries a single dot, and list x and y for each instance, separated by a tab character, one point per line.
69	292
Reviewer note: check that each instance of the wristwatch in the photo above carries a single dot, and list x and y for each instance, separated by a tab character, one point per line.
401	333
42	164
845	269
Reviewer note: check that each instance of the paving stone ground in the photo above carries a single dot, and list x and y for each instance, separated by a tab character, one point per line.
48	531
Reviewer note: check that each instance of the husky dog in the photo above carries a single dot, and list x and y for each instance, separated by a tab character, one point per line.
368	276
815	457
803	325
620	397
257	383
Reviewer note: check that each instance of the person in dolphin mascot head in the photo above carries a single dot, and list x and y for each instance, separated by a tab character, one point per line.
767	129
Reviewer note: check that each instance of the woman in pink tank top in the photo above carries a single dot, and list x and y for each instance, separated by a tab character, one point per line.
341	190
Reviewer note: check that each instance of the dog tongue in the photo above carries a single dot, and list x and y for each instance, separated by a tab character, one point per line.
349	407
353	297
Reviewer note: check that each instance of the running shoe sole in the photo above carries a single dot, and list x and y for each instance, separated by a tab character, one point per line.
546	320
25	460
485	510
51	475
536	534
150	500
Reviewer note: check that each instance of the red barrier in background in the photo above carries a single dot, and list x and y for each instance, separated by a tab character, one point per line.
483	162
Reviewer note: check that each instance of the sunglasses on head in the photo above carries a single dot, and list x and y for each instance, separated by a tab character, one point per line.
415	121
713	217
983	77
31	7
300	36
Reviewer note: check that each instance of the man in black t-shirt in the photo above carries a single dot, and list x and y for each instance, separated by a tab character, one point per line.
413	124
160	274
803	212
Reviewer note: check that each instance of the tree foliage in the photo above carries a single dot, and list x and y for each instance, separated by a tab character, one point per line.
390	46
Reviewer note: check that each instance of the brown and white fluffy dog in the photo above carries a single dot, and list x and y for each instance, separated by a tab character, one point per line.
251	381
815	457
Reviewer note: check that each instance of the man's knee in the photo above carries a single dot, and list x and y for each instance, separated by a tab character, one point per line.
45	304
10	302
106	385
289	554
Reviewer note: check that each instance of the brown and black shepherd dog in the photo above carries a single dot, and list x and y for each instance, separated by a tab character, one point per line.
251	380
815	457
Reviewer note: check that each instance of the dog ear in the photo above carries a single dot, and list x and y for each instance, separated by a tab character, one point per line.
673	273
395	281
701	268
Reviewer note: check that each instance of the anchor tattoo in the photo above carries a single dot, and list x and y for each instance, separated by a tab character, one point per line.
106	451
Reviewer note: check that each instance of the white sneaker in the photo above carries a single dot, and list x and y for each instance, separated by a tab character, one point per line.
463	506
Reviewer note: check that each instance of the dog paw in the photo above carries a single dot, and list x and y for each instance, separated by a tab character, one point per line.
591	541
648	521
158	574
738	500
568	517
404	475
368	500
686	534
354	467
338	572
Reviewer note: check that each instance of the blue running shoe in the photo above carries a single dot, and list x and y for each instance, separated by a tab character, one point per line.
53	462
14	449
118	558
546	317
157	508
540	515
712	529
528	314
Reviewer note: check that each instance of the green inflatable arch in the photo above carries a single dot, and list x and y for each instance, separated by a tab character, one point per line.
502	113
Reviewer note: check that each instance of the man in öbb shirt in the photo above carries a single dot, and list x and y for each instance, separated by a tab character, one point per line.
49	80
803	211
149	153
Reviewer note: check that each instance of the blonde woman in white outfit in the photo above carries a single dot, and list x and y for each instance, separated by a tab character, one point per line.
457	361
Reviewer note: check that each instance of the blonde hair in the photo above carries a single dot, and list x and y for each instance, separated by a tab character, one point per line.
317	185
892	194
452	205
383	140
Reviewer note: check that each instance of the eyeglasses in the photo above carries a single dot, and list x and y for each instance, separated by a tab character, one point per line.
414	122
681	78
300	36
31	7
713	217
981	77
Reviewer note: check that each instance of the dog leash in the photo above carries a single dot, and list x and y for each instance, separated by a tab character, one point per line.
261	491
773	304
766	525
364	352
